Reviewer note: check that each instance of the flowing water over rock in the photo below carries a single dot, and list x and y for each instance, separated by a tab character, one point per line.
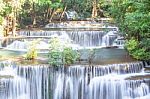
75	82
78	39
83	38
114	81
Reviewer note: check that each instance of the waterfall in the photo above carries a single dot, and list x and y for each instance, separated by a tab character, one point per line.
12	86
82	38
20	45
25	45
109	38
77	38
25	82
112	88
71	15
119	41
74	82
87	38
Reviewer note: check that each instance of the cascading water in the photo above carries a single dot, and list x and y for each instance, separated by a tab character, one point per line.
71	15
18	45
109	38
25	45
78	39
75	82
83	38
21	84
119	41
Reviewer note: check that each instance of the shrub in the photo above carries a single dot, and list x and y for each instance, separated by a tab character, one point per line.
139	50
69	56
61	53
131	44
32	51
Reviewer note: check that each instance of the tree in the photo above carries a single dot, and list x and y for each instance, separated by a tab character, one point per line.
11	8
94	9
1	17
133	18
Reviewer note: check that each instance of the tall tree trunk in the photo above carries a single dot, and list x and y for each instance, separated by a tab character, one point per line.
34	15
94	9
47	13
63	12
7	26
52	14
14	22
14	26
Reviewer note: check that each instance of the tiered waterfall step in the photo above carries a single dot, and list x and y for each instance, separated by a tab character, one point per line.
114	81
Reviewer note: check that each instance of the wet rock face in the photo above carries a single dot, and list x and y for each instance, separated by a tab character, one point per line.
140	77
147	69
148	66
5	76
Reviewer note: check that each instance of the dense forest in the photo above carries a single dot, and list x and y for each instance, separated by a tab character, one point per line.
133	19
131	16
39	12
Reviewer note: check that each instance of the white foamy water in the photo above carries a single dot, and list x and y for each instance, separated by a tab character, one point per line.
74	82
75	39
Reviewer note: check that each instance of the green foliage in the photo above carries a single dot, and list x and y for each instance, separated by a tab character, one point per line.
32	51
55	53
55	58
1	20
27	11
55	5
7	10
44	9
132	44
133	18
145	43
138	49
44	2
141	54
2	6
31	54
69	56
61	54
40	12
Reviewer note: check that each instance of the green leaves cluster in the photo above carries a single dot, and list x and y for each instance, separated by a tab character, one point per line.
70	56
133	18
139	50
61	54
32	51
9	9
40	12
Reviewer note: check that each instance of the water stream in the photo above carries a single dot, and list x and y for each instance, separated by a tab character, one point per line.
42	81
75	82
78	39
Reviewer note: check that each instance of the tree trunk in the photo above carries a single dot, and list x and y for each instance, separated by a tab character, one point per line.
63	12
47	14
34	15
52	14
34	21
14	22
94	9
14	26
